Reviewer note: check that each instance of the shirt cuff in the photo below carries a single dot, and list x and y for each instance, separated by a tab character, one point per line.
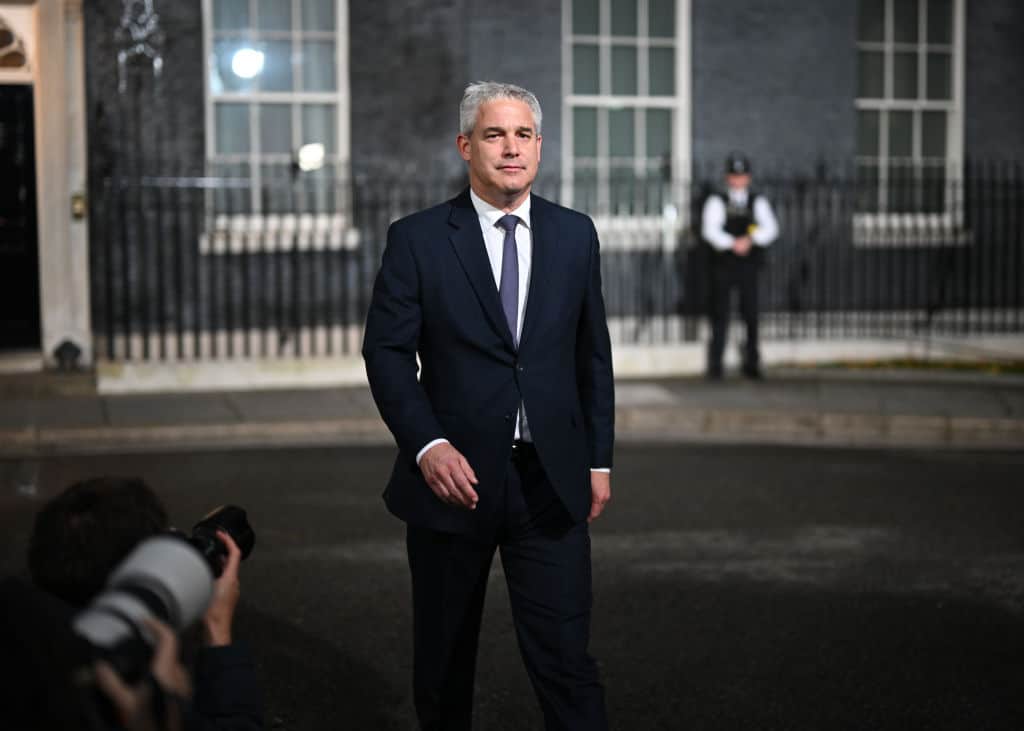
432	443
600	469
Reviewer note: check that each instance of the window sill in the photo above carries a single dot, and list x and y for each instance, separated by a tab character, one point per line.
898	230
245	233
638	232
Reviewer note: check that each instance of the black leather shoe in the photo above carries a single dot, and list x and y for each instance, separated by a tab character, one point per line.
753	373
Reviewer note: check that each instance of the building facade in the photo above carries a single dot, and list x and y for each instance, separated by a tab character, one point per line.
212	178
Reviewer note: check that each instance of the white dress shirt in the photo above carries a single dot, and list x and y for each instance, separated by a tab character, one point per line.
494	242
713	220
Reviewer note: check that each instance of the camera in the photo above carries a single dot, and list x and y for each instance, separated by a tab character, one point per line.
232	520
167	577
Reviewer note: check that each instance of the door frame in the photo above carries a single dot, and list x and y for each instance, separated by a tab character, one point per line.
58	81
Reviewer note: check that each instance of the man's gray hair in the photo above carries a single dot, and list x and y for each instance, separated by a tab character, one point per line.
481	92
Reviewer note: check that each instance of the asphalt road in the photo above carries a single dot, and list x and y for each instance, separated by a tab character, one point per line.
736	587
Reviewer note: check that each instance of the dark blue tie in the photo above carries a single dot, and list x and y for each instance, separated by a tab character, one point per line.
508	289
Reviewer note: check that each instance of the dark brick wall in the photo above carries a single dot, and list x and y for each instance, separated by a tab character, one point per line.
994	108
155	123
774	78
410	61
523	46
771	77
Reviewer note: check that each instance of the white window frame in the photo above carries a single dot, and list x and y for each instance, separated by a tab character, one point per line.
667	224
340	98
918	228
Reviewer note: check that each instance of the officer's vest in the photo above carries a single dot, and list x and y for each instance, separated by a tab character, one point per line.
738	219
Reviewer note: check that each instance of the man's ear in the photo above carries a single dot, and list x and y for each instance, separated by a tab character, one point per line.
462	142
540	139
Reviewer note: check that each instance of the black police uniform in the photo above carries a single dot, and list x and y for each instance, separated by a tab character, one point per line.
728	270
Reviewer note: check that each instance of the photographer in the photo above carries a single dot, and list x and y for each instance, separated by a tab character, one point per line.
45	669
82	534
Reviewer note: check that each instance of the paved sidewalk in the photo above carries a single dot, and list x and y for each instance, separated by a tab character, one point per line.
833	408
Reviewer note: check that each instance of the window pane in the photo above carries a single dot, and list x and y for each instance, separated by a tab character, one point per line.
933	188
318	15
661	22
867	187
662	70
870	75
318	125
585	77
904	75
940	21
232	122
933	134
901	188
871	23
867	134
939	76
623	17
585	17
275	15
231	14
277	69
222	77
276	194
659	133
318	66
624	69
621	132
622	190
275	128
901	134
905	21
584	194
584	132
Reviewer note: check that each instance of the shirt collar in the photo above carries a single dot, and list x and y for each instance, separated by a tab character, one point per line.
739	196
490	214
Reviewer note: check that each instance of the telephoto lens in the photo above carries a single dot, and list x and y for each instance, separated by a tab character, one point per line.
164	578
232	520
167	577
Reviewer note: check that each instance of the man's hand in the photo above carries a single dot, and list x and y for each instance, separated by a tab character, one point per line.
449	475
600	493
741	245
221	613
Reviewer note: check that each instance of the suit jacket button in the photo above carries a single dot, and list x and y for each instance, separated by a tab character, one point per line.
520	368
508	417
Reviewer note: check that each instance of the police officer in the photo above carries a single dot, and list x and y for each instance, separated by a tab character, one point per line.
738	224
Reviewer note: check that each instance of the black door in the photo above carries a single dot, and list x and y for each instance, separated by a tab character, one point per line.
19	249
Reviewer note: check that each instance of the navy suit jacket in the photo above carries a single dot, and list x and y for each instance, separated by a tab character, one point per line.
435	297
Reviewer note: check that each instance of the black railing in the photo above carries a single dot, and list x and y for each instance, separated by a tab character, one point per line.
193	268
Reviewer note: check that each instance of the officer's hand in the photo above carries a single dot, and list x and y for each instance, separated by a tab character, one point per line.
741	246
600	493
449	475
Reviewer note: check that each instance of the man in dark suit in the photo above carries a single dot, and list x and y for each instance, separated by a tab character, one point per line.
505	439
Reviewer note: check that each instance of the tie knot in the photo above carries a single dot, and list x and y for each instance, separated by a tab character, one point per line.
508	222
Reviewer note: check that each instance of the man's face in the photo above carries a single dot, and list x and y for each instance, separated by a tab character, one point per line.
738	181
503	152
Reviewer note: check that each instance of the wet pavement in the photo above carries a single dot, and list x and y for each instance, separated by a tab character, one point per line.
736	586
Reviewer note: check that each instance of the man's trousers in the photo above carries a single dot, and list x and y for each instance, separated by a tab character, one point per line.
546	559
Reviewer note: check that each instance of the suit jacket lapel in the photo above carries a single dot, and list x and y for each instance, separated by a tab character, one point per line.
542	259
468	243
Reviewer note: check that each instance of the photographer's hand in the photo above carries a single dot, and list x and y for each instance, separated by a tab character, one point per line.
221	613
136	705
